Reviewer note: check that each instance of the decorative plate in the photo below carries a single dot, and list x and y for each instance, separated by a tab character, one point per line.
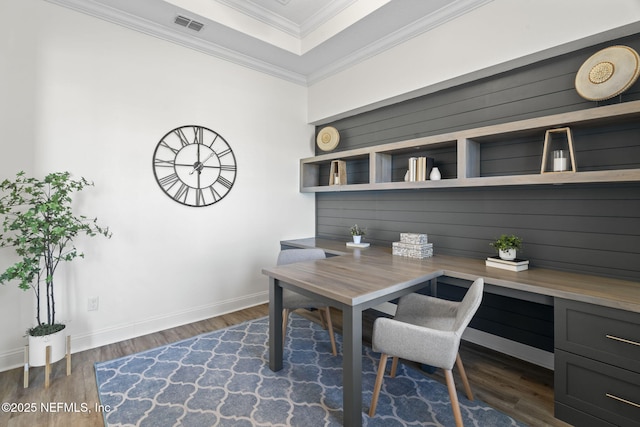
608	73
328	138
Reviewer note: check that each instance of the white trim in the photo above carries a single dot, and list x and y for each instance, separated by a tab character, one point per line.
152	29
15	358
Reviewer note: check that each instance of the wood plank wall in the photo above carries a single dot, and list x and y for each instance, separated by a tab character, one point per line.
586	228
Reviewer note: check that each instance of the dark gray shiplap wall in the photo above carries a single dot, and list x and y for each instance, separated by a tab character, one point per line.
586	228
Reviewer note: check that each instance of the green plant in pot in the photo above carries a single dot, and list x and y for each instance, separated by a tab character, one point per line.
357	232
38	222
507	246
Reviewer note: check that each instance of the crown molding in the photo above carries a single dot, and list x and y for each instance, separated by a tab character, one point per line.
265	16
418	27
174	35
135	23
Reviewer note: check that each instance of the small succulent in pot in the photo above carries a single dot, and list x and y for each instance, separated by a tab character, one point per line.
507	246
357	232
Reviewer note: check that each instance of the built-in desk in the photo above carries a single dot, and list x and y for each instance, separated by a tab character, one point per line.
596	319
614	293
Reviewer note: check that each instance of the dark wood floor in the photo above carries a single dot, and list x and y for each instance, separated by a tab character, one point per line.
517	388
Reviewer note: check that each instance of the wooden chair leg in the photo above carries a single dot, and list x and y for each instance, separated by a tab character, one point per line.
457	415
378	385
323	317
68	355
327	317
394	367
463	375
285	322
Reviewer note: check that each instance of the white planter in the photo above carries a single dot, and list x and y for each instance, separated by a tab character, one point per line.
357	239
38	348
507	254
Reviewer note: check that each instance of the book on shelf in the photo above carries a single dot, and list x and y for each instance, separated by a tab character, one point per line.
511	265
419	168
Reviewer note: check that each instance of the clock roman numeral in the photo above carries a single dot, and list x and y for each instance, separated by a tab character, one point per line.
214	140
230	168
164	144
224	153
183	139
215	194
182	193
164	163
198	135
224	181
199	197
169	180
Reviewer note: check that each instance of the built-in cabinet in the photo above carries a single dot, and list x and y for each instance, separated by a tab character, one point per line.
461	155
597	365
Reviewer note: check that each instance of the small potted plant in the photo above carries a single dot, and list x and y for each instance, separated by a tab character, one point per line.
357	232
507	246
40	225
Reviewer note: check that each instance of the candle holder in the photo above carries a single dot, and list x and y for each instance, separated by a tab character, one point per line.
338	173
558	161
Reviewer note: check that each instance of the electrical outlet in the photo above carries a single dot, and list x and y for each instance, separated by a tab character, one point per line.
92	304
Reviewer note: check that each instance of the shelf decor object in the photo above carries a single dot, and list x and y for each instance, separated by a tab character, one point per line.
557	161
515	264
608	73
328	138
413	245
419	169
338	175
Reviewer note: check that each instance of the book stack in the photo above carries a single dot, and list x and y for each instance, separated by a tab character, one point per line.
419	168
512	265
413	245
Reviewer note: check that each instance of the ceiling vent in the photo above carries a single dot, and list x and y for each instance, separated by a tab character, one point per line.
188	23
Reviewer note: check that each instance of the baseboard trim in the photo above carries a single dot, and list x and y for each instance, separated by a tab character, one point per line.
15	358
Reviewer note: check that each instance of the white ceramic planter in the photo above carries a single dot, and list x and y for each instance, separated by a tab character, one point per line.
38	348
357	239
507	254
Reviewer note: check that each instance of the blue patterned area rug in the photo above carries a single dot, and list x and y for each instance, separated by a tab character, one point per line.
222	378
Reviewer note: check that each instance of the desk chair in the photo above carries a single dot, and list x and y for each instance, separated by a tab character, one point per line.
292	300
426	330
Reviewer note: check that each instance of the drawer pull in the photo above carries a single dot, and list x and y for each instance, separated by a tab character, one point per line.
628	402
622	340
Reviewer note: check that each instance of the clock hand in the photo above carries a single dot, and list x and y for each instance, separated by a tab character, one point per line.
199	165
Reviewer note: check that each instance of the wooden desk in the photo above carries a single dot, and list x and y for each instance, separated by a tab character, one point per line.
363	278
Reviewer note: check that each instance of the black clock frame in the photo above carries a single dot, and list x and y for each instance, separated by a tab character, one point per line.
194	166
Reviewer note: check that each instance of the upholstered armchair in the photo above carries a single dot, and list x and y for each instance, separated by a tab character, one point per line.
426	330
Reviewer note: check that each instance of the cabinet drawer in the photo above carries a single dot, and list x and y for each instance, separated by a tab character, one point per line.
604	391
601	333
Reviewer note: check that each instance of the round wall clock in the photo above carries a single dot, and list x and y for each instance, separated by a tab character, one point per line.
195	166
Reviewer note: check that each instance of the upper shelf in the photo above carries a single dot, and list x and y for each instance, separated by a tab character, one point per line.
381	167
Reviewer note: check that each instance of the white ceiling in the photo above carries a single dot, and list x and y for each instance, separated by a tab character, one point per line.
302	41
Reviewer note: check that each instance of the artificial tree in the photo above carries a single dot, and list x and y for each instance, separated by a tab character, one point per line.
38	222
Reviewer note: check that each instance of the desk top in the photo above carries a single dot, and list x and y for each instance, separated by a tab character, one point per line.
359	275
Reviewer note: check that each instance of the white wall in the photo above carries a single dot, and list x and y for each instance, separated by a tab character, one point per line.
88	96
496	33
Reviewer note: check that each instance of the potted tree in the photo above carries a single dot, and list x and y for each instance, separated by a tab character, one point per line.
39	224
507	246
357	233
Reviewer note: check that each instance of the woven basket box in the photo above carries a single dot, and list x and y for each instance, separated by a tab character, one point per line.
414	238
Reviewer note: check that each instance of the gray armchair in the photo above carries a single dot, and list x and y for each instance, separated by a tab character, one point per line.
292	300
426	330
